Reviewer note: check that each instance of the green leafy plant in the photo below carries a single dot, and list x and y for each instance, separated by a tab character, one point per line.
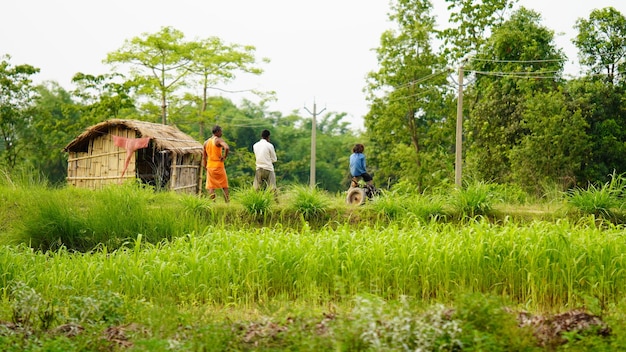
397	327
309	202
595	200
256	203
473	200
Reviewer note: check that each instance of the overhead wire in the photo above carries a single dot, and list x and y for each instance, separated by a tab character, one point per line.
516	61
533	75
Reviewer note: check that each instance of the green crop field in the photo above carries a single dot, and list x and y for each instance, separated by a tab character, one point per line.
128	269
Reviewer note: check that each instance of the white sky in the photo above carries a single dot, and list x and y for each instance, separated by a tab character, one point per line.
320	50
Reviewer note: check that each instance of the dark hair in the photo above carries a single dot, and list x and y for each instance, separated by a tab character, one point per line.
216	129
358	148
265	134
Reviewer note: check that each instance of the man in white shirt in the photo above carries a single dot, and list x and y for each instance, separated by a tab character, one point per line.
264	175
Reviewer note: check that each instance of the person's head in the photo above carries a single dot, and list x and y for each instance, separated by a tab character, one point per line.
265	134
217	131
358	148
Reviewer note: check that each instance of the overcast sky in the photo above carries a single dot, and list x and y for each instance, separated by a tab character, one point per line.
320	50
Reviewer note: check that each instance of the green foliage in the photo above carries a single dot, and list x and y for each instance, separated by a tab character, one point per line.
551	149
194	205
83	219
602	107
104	307
256	203
601	201
487	326
385	326
158	62
407	100
473	21
476	199
16	96
510	193
396	205
518	49
601	42
228	286
56	121
310	203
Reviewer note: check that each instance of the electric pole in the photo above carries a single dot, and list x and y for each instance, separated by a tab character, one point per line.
313	137
459	131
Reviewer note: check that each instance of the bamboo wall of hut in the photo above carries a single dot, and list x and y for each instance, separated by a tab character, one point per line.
172	160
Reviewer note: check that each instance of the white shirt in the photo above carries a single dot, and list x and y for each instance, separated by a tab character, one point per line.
265	155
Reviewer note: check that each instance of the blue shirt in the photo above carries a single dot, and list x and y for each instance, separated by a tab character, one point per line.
357	164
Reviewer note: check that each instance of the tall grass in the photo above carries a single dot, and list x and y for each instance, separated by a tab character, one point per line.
83	219
310	203
400	206
604	201
170	262
475	199
543	265
256	203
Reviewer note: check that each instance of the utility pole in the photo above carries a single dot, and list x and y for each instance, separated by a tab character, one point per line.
313	143
459	132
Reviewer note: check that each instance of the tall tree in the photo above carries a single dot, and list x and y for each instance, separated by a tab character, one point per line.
603	108
519	58
16	98
158	63
601	42
472	23
555	145
405	93
103	97
56	121
215	62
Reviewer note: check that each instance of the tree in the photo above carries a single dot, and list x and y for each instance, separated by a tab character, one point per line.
103	97
601	41
16	97
519	59
57	120
475	20
555	145
214	62
158	61
406	94
603	108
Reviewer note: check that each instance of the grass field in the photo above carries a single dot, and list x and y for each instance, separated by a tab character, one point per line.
479	269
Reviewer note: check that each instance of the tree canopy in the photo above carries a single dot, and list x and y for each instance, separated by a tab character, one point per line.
524	121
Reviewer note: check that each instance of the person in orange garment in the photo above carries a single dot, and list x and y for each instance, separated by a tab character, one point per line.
214	153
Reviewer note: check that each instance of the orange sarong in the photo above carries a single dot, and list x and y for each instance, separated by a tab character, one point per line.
216	178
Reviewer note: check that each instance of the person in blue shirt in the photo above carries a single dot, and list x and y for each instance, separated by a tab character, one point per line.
357	166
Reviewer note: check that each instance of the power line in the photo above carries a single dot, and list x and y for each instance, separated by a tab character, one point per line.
532	75
422	79
518	61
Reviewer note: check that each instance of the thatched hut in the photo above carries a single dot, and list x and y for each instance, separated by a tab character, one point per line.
116	150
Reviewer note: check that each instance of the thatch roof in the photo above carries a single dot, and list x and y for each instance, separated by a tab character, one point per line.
164	137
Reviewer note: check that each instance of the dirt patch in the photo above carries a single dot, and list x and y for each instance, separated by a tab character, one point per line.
550	330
